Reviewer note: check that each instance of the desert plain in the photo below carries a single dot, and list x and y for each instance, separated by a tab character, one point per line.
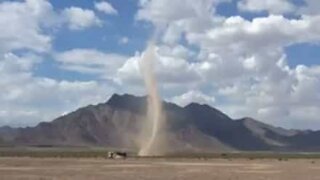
30	168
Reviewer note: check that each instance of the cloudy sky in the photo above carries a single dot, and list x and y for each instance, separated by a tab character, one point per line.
246	57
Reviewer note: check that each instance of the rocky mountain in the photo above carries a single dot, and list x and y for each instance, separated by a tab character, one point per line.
194	128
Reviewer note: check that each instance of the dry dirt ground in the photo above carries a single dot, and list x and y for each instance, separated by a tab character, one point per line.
160	169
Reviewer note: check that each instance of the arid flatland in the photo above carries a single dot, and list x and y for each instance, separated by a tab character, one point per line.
139	169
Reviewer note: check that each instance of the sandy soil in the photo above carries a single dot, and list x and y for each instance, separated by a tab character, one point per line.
160	169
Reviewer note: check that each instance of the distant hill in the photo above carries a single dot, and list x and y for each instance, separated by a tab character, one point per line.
194	128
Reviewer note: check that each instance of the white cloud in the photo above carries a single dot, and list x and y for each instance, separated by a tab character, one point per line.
91	61
165	11
271	6
24	24
239	36
244	63
27	99
21	24
79	18
240	64
178	15
193	96
176	51
169	69
105	7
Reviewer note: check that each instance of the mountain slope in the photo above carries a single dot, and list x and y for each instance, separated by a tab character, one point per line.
194	128
98	125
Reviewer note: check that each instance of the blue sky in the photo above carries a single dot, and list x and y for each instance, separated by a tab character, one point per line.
307	54
246	57
106	38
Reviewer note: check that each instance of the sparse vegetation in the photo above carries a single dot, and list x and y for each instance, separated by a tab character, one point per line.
54	152
102	153
160	168
249	155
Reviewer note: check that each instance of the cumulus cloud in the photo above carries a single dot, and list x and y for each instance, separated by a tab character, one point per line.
21	25
27	99
237	35
24	23
91	61
243	61
247	62
292	101
193	96
251	49
233	63
105	7
169	70
79	18
165	11
271	6
192	16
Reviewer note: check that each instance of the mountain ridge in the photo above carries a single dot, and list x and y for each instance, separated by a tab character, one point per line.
192	128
